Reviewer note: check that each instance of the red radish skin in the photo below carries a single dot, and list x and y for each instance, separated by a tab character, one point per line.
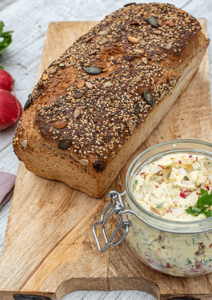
6	81
185	194
10	109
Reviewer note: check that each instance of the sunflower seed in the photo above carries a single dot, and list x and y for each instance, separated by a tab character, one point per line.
170	23
157	32
80	83
141	41
45	77
132	39
93	70
168	46
140	51
153	21
84	162
77	112
103	32
137	78
108	84
89	85
144	60
24	143
148	98
134	23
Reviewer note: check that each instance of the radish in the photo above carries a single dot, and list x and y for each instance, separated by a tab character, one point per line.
185	194
156	169
10	109
6	81
182	172
187	182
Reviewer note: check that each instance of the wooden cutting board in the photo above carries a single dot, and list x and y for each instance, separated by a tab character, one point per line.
49	249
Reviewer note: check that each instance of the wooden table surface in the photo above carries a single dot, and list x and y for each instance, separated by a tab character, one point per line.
29	20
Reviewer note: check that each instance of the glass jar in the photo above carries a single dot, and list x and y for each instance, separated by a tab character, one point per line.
178	248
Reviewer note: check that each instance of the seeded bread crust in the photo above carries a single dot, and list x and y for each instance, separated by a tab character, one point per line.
81	121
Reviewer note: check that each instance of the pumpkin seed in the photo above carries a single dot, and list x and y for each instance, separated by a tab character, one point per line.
65	144
40	86
148	98
152	21
129	4
28	103
99	166
78	95
93	70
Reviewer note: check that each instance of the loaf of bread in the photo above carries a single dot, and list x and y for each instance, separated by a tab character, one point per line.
95	105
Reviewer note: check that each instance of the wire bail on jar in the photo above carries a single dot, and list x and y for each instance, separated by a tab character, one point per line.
117	207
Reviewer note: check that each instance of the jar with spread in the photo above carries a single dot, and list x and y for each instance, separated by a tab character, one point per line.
166	209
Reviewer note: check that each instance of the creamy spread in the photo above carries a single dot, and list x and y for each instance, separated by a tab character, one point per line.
167	187
171	184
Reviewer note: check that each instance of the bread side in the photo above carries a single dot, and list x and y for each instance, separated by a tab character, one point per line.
81	128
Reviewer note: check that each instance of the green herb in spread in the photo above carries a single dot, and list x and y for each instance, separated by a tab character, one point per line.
203	205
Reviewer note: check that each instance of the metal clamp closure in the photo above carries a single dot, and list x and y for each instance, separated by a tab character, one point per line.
117	207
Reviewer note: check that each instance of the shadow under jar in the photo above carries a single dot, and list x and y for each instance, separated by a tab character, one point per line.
177	248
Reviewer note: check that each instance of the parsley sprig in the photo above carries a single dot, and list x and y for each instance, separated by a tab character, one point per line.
7	38
203	205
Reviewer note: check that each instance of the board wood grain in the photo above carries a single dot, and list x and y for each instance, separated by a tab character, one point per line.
49	249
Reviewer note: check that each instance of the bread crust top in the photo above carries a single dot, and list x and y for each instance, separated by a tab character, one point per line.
141	51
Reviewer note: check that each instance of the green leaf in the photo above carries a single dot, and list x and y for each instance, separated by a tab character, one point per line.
196	209
205	200
191	211
1	27
7	38
203	205
1	67
203	193
208	213
189	262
